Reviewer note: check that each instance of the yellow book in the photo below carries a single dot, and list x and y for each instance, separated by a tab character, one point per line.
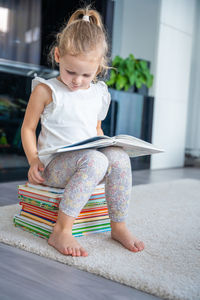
25	214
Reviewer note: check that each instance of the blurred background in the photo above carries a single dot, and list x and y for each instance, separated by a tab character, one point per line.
164	33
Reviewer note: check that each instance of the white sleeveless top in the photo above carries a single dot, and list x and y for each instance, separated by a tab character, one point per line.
72	115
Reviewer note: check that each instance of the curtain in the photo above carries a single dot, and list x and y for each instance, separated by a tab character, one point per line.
20	22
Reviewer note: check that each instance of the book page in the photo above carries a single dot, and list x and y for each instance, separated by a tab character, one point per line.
87	141
130	140
101	143
138	150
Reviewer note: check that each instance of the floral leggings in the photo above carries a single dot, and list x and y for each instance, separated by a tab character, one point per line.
79	172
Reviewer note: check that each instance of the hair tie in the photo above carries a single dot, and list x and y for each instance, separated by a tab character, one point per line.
86	18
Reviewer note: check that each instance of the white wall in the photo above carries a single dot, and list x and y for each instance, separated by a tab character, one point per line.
193	122
161	31
117	27
135	30
172	81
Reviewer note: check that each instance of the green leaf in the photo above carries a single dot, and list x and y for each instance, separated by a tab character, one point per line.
126	87
113	74
138	82
121	82
130	65
110	82
131	56
150	81
121	70
143	64
112	79
116	61
132	79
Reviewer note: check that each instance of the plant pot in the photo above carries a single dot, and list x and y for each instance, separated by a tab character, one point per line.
142	91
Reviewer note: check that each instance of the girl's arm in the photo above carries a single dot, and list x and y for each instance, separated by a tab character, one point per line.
99	129
40	97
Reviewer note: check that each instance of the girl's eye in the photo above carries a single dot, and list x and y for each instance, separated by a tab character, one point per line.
69	72
86	75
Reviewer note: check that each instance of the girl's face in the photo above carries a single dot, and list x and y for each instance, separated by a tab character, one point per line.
77	72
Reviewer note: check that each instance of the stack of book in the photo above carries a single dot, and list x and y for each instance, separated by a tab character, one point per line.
40	207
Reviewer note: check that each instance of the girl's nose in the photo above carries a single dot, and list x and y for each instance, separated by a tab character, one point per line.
77	80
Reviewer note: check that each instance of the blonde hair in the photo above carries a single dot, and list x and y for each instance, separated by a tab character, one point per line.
80	36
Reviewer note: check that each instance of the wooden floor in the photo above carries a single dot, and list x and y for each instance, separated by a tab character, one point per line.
27	276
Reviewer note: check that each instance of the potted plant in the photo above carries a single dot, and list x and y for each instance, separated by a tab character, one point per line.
129	73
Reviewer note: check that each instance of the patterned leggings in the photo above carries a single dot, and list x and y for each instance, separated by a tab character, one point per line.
79	172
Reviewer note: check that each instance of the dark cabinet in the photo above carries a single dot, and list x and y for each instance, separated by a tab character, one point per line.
132	114
15	89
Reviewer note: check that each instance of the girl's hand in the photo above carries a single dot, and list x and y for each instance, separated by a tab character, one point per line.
100	131
34	172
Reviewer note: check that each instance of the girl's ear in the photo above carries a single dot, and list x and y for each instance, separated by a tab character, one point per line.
57	55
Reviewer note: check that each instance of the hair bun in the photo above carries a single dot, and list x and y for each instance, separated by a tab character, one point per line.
86	18
94	16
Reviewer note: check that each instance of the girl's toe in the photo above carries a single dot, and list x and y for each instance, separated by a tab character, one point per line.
133	248
140	245
78	252
83	252
65	251
69	250
74	252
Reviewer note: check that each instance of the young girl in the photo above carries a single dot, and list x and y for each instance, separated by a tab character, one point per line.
71	108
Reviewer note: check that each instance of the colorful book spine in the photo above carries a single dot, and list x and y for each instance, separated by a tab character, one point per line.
40	211
45	230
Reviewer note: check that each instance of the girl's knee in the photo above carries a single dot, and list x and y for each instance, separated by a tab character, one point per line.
95	161
116	155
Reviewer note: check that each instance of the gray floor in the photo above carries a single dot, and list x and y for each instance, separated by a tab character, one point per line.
27	276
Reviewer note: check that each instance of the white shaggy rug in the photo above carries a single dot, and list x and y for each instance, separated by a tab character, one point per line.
166	216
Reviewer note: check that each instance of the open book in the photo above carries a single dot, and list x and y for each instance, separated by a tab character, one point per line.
133	146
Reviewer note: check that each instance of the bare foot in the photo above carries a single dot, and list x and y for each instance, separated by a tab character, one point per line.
121	234
65	243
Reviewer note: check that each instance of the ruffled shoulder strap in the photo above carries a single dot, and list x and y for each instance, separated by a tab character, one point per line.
106	98
49	83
